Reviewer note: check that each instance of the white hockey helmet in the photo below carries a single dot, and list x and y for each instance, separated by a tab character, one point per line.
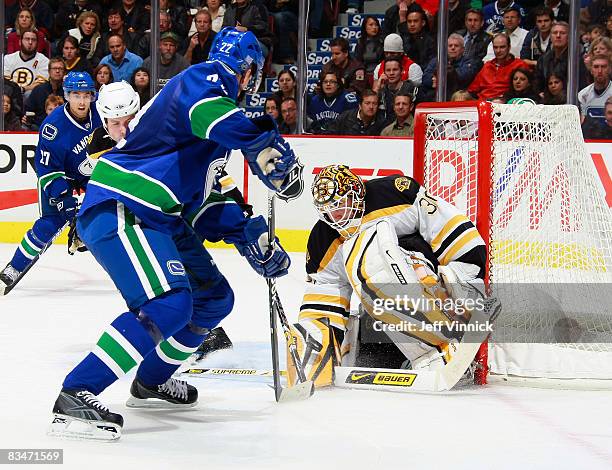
117	100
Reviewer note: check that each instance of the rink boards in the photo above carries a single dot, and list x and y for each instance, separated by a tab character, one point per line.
369	156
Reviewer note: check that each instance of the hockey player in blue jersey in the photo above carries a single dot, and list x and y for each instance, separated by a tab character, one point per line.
133	220
61	166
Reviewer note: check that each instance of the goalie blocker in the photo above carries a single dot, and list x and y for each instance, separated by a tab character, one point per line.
383	239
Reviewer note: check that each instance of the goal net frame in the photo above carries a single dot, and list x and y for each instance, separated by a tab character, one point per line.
472	149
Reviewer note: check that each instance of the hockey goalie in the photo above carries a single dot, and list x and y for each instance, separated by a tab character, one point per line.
414	262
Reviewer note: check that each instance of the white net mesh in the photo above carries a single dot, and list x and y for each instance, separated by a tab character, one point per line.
550	231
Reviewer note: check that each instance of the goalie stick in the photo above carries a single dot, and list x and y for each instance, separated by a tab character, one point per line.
305	388
4	289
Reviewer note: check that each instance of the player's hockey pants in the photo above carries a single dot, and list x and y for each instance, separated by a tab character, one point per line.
172	287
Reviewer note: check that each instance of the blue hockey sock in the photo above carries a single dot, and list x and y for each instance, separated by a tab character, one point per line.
159	365
34	241
121	347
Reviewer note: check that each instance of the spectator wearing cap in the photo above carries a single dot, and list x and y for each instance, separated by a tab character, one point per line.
363	121
537	41
494	14
201	41
460	70
170	63
594	128
517	35
593	98
419	43
350	70
135	15
493	80
116	25
393	49
121	61
403	125
475	39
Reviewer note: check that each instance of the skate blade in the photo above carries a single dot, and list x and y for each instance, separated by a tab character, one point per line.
156	403
70	427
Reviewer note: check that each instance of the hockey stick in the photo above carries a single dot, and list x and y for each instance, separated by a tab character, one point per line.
305	388
4	290
235	372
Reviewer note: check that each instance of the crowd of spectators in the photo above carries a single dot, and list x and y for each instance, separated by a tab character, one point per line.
500	50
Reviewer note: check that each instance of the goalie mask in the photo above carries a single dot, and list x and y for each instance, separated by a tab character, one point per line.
339	197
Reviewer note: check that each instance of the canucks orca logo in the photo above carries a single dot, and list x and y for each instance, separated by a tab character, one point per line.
176	267
49	132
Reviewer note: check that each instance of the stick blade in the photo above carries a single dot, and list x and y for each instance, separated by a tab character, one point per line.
300	391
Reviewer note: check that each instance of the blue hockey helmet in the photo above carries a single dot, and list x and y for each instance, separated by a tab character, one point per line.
240	51
79	81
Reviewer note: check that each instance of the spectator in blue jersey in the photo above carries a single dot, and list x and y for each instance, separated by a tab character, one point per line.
121	61
494	14
595	128
370	50
329	102
136	221
61	166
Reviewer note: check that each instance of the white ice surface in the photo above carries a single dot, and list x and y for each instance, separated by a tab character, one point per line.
49	322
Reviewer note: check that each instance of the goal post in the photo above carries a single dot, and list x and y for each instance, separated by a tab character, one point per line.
522	174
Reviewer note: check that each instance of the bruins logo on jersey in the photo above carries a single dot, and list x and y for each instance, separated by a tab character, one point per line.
22	76
402	183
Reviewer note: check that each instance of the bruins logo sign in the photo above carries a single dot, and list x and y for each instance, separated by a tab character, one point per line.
402	183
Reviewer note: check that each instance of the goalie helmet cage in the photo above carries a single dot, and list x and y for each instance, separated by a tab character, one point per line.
522	174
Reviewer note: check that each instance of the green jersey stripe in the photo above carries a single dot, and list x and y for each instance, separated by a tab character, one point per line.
47	179
143	260
205	114
27	246
137	186
173	353
109	345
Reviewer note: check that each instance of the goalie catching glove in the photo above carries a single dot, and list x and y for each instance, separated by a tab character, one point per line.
268	260
270	158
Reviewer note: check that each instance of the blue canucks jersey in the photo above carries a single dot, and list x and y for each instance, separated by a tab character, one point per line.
61	159
166	166
323	111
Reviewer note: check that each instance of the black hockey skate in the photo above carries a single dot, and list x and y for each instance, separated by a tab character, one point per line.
78	414
171	394
8	277
216	340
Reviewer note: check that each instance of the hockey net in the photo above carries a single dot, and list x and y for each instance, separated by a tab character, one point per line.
522	173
